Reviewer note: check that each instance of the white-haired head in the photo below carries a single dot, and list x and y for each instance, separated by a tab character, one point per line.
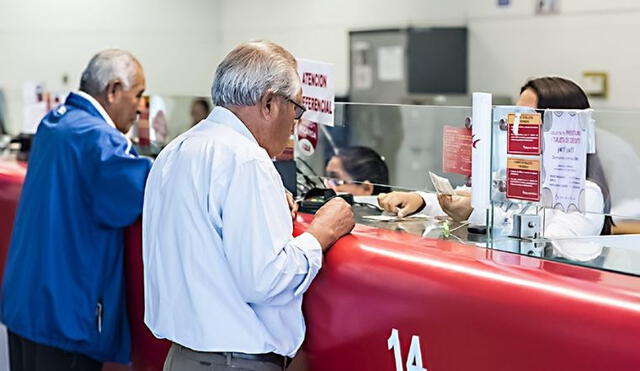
107	66
250	70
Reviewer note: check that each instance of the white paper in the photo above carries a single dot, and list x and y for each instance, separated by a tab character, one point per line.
395	218
318	94
362	77
564	159
442	185
391	63
32	115
34	106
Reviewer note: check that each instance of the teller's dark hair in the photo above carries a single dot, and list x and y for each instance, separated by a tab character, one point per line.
363	163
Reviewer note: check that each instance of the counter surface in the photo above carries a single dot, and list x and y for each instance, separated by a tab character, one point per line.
384	296
470	308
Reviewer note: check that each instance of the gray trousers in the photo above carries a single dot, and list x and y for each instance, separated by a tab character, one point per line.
185	359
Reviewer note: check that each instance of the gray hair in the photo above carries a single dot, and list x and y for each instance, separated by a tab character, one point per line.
106	66
250	70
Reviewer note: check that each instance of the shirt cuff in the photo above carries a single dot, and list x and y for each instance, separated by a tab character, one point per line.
431	204
313	252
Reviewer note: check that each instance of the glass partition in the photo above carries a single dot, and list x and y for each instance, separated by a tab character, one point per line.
618	149
409	138
577	172
416	140
612	162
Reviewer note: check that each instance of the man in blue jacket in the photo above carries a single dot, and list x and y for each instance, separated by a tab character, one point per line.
63	298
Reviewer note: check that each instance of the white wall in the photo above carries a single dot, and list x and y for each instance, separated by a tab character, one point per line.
509	45
180	43
176	41
320	29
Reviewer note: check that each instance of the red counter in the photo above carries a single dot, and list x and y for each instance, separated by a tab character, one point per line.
471	308
11	177
459	306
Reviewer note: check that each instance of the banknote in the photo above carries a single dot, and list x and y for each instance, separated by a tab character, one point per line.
441	184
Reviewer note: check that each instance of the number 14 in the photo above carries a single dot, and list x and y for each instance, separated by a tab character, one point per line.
414	359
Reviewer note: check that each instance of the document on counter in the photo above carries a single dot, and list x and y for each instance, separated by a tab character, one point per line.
394	218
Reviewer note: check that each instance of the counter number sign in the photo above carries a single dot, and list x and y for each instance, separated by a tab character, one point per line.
414	358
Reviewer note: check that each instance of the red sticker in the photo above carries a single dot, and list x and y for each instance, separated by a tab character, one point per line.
527	140
456	150
523	179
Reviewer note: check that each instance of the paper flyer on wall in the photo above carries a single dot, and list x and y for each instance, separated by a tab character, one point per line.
34	108
362	70
565	159
391	63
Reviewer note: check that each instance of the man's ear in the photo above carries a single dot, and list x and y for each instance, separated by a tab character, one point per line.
268	108
114	88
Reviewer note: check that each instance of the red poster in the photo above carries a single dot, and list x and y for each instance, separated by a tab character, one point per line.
523	179
527	141
456	150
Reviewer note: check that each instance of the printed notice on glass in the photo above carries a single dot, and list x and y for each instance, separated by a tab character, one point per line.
523	179
456	150
523	136
318	94
565	159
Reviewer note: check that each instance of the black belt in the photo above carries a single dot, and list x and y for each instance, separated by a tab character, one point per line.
274	358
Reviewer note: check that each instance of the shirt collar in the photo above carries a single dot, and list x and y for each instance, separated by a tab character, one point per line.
227	118
98	107
105	116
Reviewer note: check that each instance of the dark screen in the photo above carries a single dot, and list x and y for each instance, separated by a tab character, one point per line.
438	61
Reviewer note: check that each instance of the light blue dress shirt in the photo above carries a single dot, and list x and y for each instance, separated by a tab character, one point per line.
222	271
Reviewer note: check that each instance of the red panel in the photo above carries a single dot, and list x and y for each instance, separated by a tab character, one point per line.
473	308
148	353
12	175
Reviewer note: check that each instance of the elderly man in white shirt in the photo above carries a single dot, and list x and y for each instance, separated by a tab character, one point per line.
223	276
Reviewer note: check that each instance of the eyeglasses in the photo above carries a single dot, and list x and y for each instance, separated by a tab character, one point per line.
300	110
335	182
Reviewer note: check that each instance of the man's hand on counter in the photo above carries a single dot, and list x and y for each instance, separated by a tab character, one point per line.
401	203
332	221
